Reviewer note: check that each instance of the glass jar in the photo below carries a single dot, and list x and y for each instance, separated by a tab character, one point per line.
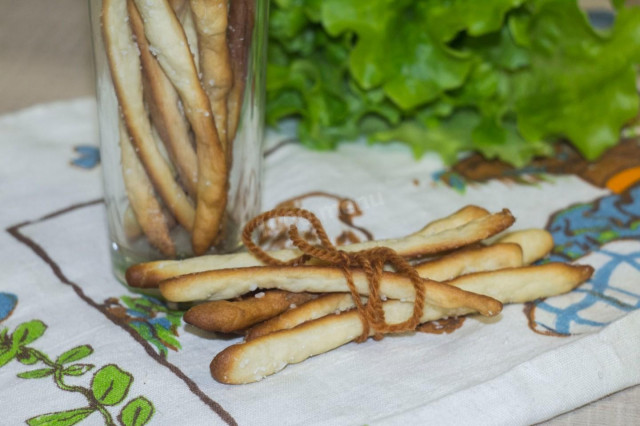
180	89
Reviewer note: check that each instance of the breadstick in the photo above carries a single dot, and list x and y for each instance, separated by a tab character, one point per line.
210	17
465	226
252	361
130	225
183	13
229	283
146	208
229	316
122	54
465	261
314	309
239	36
165	34
169	121
535	243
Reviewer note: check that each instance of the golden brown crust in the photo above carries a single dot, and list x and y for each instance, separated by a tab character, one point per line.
165	34
314	309
239	36
229	283
252	361
124	63
466	226
468	233
466	261
163	108
210	18
230	316
144	205
533	282
458	218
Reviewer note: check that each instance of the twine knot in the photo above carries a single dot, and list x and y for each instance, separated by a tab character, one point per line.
370	261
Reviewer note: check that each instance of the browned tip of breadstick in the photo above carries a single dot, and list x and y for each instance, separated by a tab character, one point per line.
230	316
141	275
223	362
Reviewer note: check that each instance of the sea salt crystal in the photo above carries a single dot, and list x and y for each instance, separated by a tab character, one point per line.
337	312
260	295
292	306
383	297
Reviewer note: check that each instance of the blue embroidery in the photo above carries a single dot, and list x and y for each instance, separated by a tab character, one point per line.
150	318
8	303
88	158
582	229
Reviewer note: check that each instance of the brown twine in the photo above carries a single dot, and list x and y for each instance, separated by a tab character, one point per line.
370	261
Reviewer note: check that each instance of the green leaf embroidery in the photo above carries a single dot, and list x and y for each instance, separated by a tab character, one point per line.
6	355
77	369
137	412
110	384
62	418
27	356
28	332
36	374
75	354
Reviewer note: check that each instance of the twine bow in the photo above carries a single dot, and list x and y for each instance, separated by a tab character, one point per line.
370	261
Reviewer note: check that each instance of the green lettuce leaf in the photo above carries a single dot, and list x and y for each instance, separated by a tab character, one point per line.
505	78
582	83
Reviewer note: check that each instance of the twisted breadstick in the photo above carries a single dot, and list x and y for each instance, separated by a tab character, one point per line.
467	225
229	316
163	100
122	54
239	36
210	17
229	283
165	34
252	361
145	206
183	13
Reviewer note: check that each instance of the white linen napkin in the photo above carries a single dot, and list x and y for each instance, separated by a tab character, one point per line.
78	346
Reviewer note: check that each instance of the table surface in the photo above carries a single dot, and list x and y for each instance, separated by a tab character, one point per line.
45	55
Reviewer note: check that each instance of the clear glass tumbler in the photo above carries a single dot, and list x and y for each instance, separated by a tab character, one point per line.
180	88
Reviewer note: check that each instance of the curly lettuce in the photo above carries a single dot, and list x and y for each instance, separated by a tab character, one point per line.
505	78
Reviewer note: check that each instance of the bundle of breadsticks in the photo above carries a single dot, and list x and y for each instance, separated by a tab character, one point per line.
295	303
178	68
